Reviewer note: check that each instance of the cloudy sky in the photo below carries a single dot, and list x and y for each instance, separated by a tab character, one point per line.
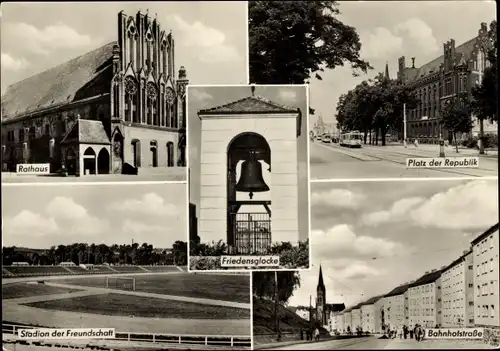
210	37
371	237
42	216
200	98
391	29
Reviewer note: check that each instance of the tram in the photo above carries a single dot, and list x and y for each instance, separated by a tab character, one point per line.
351	139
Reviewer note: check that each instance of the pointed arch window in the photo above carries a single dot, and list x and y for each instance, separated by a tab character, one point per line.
152	95
132	43
131	100
169	96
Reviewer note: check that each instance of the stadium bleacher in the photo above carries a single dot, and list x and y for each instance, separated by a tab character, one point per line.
28	271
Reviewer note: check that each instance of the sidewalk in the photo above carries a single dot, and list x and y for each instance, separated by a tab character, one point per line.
433	148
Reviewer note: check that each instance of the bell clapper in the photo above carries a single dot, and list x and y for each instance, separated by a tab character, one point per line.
251	195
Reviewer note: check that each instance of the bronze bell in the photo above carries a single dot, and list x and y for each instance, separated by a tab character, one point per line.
251	180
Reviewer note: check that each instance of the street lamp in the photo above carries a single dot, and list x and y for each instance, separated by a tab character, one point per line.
441	142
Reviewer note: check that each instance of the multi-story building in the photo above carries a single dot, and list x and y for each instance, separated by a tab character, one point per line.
395	307
356	318
303	313
457	292
424	297
485	251
348	321
457	71
339	323
371	315
117	109
332	311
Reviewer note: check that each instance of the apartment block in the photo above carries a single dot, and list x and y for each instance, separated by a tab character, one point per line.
457	292
425	300
485	251
371	315
395	306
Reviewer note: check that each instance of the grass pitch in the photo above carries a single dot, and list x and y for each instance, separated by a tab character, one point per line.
234	288
126	305
16	290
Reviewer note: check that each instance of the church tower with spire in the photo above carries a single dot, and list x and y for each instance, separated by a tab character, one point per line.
321	299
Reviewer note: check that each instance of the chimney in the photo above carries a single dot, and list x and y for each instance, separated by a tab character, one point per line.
466	252
433	270
484	27
443	267
427	272
413	62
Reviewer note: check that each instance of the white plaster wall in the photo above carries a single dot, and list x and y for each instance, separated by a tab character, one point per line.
280	133
146	135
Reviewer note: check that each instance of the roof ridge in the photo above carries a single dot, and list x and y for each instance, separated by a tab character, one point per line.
272	103
61	64
227	104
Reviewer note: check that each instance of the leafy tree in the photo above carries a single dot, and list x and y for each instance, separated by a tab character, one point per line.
263	284
293	41
83	253
375	105
456	116
485	95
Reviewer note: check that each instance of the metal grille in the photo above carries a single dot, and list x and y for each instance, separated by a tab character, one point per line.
252	233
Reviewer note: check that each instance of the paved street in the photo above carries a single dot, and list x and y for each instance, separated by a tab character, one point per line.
330	161
368	343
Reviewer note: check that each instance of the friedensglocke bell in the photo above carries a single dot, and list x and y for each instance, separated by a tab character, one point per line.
251	180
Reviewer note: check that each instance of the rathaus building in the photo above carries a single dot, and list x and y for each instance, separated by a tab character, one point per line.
458	70
117	109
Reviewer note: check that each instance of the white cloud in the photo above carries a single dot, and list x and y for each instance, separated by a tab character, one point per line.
397	212
199	95
409	37
66	209
27	223
149	204
337	198
357	271
288	95
43	41
464	207
341	241
468	206
420	34
380	43
208	43
142	228
10	63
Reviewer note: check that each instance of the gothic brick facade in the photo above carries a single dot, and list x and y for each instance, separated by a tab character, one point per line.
117	109
458	70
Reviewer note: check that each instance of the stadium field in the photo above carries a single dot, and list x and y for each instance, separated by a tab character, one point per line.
234	288
16	290
127	305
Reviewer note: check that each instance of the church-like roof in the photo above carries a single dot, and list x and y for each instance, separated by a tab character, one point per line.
251	104
462	51
56	86
321	284
86	131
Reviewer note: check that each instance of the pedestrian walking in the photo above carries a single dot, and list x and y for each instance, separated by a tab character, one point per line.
412	331
405	331
316	334
400	332
416	142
